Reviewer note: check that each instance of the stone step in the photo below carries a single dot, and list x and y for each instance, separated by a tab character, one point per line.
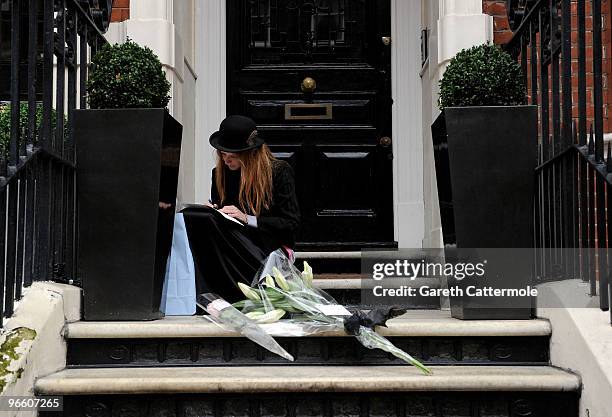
306	255
315	391
337	404
327	277
330	261
355	282
261	379
430	335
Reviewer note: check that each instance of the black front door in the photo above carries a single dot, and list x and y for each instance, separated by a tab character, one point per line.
315	76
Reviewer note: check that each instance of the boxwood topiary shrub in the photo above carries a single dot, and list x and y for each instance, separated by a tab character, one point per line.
483	75
5	123
127	76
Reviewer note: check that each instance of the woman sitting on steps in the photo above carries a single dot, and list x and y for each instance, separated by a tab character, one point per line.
256	189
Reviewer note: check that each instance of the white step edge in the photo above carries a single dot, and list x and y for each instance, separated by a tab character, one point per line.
357	283
174	380
328	255
417	323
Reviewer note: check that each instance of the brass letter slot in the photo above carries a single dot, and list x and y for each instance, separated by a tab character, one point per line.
308	111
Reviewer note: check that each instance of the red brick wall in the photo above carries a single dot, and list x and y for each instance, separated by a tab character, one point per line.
497	9
121	10
589	61
501	27
606	8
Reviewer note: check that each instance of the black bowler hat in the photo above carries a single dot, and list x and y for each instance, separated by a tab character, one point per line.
236	134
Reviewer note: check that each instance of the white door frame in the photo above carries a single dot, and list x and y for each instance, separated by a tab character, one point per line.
407	113
408	204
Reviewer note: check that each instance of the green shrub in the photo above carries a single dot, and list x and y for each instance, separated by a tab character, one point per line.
5	124
127	76
484	75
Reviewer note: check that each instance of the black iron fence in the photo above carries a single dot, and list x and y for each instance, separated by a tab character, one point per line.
45	47
573	175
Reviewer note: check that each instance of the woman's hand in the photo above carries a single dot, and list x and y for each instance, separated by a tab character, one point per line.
235	213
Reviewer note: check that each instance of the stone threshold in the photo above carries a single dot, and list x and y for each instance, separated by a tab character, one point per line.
356	282
306	255
416	323
262	379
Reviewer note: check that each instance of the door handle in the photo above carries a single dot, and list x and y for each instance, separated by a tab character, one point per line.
309	85
385	141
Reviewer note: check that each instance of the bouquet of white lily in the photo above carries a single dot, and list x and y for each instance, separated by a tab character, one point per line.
281	290
223	314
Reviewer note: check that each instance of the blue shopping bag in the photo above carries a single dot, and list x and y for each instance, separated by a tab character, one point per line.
179	292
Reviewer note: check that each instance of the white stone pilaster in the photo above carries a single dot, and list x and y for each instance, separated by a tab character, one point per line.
407	124
142	10
210	41
453	25
151	24
461	24
429	78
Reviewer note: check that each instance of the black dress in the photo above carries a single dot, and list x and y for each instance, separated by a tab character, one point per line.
226	253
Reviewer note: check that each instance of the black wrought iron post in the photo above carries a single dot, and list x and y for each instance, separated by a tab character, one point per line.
37	171
573	175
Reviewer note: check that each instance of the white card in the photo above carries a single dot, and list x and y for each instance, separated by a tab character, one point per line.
219	304
333	310
228	217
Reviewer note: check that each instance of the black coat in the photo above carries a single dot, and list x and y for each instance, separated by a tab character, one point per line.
278	225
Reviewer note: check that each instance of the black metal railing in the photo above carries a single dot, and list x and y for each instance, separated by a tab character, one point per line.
573	175
45	47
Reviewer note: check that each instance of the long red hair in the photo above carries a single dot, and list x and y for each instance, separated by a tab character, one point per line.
255	179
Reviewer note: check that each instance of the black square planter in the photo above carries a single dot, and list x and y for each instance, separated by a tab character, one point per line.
127	163
485	161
